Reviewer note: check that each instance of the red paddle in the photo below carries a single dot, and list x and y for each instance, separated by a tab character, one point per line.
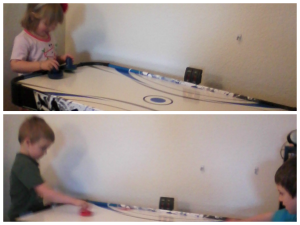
85	212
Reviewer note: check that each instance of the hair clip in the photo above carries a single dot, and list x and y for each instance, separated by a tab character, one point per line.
64	6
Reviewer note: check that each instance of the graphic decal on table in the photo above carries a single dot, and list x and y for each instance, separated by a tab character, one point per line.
46	102
156	214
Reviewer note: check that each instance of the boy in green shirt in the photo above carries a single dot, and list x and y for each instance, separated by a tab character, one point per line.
28	190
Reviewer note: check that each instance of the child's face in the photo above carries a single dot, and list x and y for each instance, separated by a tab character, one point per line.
287	200
38	149
44	29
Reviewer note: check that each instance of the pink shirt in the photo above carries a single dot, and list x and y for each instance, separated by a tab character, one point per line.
30	48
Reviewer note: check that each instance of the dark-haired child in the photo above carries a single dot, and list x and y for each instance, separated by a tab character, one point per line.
286	182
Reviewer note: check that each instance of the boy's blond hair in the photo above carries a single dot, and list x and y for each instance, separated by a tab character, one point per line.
53	13
35	128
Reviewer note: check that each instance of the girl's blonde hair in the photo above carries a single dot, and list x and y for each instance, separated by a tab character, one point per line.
52	13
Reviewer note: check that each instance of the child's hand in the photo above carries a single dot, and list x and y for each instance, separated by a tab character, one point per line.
63	58
82	204
49	64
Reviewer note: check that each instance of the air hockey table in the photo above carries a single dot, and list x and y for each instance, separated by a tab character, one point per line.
97	86
108	212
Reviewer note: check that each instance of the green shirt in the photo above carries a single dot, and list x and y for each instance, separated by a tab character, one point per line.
25	175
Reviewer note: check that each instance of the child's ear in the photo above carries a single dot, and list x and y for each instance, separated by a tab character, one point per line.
27	142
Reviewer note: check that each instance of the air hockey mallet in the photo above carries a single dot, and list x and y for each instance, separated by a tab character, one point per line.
85	212
55	74
58	74
69	68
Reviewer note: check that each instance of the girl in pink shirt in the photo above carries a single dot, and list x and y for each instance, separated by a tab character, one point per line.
35	48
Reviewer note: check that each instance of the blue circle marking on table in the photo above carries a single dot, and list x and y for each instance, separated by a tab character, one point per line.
158	100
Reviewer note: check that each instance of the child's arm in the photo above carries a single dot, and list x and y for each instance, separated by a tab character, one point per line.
261	218
20	66
55	197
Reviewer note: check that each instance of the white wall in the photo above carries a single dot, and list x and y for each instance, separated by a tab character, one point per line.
136	159
12	15
167	38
